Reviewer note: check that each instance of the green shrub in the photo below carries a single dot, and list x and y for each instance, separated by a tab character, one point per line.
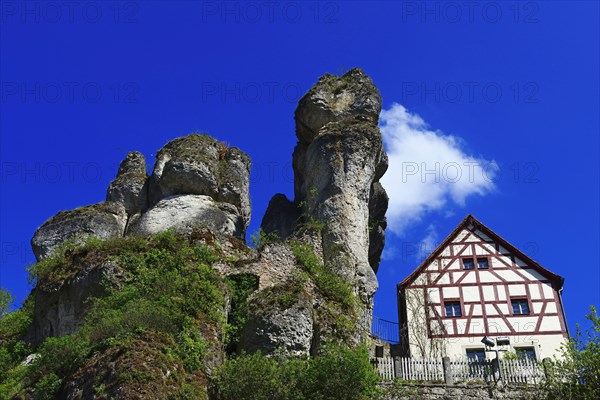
256	377
241	286
575	374
338	373
14	325
61	355
47	387
13	381
260	238
191	346
6	300
341	373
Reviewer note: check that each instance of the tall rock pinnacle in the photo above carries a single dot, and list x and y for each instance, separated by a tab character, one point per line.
338	162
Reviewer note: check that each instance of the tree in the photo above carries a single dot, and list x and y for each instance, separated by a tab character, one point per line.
6	300
576	373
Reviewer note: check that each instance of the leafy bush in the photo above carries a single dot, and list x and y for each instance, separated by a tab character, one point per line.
260	238
47	387
341	373
252	377
6	300
191	346
575	374
338	373
241	286
14	325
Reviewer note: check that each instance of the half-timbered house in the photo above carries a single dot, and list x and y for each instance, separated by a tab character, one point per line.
476	284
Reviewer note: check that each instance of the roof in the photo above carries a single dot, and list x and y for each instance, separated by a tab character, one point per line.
464	224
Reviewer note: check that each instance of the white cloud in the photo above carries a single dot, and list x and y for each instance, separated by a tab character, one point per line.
389	252
429	170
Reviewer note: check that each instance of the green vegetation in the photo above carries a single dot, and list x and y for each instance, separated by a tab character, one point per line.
337	373
6	300
13	349
331	285
278	297
576	373
341	310
260	238
168	288
167	304
309	221
241	286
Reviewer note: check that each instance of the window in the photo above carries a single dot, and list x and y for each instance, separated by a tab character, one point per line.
482	263
452	309
467	263
520	307
476	354
525	353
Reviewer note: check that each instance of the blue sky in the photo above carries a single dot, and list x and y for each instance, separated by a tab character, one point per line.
508	88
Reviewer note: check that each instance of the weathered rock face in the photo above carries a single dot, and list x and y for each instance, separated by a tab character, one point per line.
281	216
288	329
129	187
335	98
103	220
61	307
337	161
187	213
199	164
378	204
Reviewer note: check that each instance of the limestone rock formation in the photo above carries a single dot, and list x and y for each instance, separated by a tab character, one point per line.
60	307
280	328
186	213
378	204
103	220
281	216
129	187
199	164
311	285
338	159
335	98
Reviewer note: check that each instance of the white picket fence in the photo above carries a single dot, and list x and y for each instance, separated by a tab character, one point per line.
522	371
385	367
420	370
462	370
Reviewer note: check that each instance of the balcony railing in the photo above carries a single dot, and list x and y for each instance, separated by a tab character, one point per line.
385	330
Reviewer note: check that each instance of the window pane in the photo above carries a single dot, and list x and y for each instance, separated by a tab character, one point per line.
526	352
482	263
467	263
516	309
457	312
520	307
477	354
452	309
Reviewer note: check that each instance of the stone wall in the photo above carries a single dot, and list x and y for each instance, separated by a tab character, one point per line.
463	392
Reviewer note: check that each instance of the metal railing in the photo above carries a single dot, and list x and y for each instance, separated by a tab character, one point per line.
385	330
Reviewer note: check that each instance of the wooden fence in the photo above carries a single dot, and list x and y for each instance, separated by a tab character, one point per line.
459	370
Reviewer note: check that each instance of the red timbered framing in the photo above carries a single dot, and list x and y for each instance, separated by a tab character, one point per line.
497	250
